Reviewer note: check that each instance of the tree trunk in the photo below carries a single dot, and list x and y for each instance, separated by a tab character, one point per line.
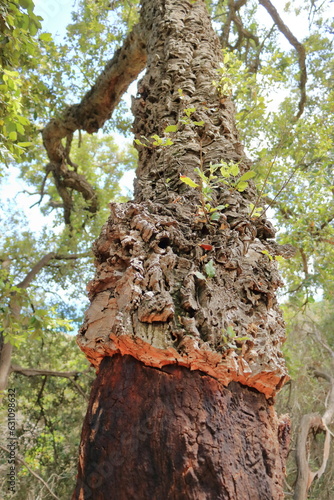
184	326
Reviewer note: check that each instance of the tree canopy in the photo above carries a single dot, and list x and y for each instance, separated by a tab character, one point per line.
277	63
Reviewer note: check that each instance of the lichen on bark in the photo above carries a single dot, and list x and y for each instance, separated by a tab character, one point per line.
148	298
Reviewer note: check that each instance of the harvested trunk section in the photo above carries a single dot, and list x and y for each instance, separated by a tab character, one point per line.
184	327
154	434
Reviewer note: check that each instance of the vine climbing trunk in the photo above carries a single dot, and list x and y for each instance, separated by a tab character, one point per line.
184	327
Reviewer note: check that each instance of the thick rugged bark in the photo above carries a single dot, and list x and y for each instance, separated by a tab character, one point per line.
148	299
151	300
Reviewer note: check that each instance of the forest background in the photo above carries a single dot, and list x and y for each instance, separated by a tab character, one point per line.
281	83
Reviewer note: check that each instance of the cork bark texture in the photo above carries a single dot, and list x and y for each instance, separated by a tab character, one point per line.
148	299
174	435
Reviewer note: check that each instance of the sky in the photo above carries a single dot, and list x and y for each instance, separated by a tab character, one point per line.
56	15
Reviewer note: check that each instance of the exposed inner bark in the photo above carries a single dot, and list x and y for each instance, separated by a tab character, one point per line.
205	449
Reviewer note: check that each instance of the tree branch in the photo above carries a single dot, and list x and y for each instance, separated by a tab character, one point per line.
44	261
15	308
313	422
90	115
35	270
32	372
72	256
299	47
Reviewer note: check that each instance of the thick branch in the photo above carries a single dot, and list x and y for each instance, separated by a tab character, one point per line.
90	115
35	270
226	28
72	256
299	47
31	372
233	8
44	261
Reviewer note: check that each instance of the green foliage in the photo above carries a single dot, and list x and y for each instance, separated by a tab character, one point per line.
19	46
51	410
224	85
220	173
310	334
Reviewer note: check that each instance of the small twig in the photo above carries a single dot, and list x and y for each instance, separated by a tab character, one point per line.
264	184
280	190
47	171
37	476
79	389
201	182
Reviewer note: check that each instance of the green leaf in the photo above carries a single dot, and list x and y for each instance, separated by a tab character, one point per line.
248	175
20	128
199	124
23	120
255	211
137	141
234	169
33	28
12	136
171	128
26	4
167	142
215	216
265	252
241	186
279	258
200	276
188	181
230	331
189	111
24	144
201	175
45	37
210	269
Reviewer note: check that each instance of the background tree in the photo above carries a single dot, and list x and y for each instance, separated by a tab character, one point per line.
295	155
